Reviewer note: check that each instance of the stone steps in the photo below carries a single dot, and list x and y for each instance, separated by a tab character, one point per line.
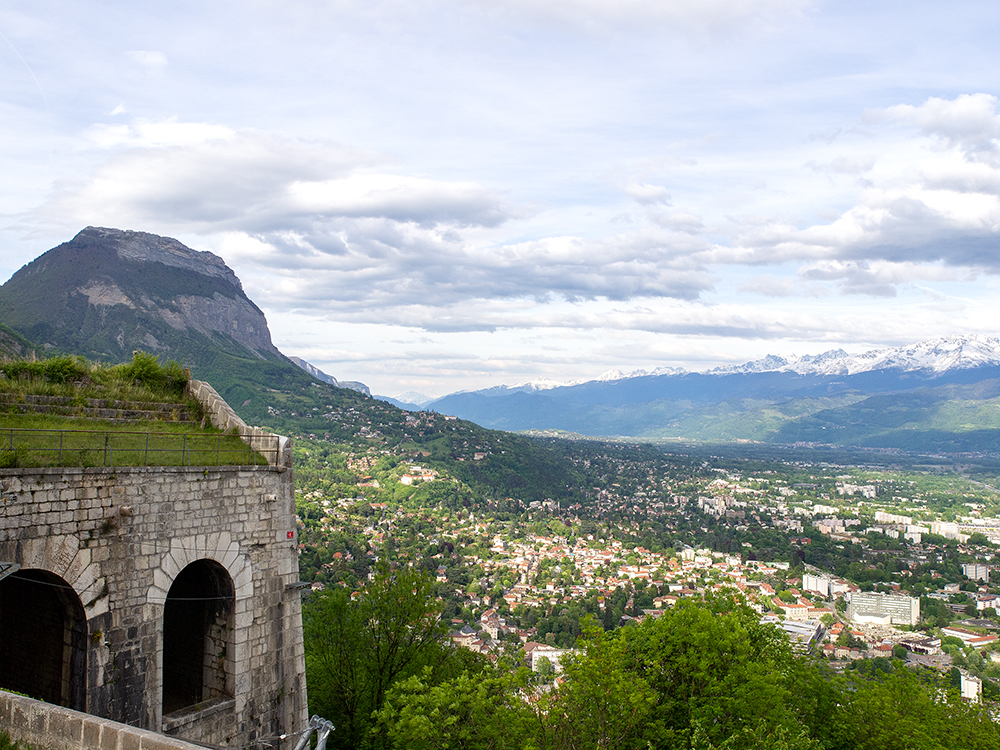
97	408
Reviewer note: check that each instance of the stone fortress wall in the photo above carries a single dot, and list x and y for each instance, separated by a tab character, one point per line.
161	597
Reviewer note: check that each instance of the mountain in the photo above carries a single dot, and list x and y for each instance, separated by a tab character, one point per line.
934	356
320	375
410	401
15	346
941	395
108	292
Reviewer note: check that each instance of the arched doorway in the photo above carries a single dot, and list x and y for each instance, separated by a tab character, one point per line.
43	638
197	636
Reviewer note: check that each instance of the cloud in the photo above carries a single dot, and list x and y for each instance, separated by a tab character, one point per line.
932	197
856	164
968	122
330	226
201	178
381	267
152	59
679	221
648	194
703	16
400	198
154	134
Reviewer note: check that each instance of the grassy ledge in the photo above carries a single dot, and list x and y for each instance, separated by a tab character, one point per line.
49	413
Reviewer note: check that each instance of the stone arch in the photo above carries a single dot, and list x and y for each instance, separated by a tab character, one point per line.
218	546
63	556
43	638
198	619
221	548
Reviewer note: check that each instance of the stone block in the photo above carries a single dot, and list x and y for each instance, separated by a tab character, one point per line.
130	741
109	737
91	733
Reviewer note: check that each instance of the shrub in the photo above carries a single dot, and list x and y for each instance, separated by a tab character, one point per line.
146	369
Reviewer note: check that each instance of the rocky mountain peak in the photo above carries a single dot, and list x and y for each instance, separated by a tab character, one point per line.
143	246
108	292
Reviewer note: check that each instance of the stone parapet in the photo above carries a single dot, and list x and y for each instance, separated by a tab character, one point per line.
48	727
276	448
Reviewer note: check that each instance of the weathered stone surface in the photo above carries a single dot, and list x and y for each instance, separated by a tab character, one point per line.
48	727
123	571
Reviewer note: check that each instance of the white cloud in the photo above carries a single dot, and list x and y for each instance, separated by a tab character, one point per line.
711	16
151	59
153	134
932	197
648	194
968	122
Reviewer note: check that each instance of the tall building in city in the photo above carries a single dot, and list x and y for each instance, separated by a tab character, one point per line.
901	610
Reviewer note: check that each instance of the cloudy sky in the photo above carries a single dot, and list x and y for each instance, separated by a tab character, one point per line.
435	195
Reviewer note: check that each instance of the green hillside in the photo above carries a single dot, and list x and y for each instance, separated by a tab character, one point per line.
15	346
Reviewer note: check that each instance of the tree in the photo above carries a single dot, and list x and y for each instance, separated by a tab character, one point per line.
482	712
603	702
916	711
545	669
356	649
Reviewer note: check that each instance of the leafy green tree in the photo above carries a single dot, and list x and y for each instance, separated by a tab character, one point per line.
903	709
603	702
356	649
469	712
710	664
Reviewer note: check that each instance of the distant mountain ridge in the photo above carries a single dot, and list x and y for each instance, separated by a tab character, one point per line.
834	398
320	375
934	355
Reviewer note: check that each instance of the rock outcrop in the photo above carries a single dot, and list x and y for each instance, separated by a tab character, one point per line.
108	292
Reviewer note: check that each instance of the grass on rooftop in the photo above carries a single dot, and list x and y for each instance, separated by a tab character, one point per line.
144	379
40	440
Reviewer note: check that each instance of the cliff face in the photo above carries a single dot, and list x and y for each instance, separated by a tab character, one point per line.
108	292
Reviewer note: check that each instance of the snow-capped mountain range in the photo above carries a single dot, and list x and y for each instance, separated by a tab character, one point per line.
891	397
932	356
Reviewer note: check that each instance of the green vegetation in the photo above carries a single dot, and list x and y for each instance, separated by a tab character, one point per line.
6	743
42	440
358	648
15	346
706	674
65	396
143	379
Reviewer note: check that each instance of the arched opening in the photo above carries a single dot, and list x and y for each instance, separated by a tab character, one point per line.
197	636
43	638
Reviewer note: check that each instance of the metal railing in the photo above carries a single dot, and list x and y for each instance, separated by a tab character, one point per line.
26	448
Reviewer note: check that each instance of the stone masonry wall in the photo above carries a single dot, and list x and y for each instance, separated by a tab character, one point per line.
48	727
119	538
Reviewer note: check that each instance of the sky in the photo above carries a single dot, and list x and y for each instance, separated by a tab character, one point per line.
430	196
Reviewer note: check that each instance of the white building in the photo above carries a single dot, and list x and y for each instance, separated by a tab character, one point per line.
902	610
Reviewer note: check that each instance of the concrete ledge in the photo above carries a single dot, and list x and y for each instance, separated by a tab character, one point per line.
48	727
